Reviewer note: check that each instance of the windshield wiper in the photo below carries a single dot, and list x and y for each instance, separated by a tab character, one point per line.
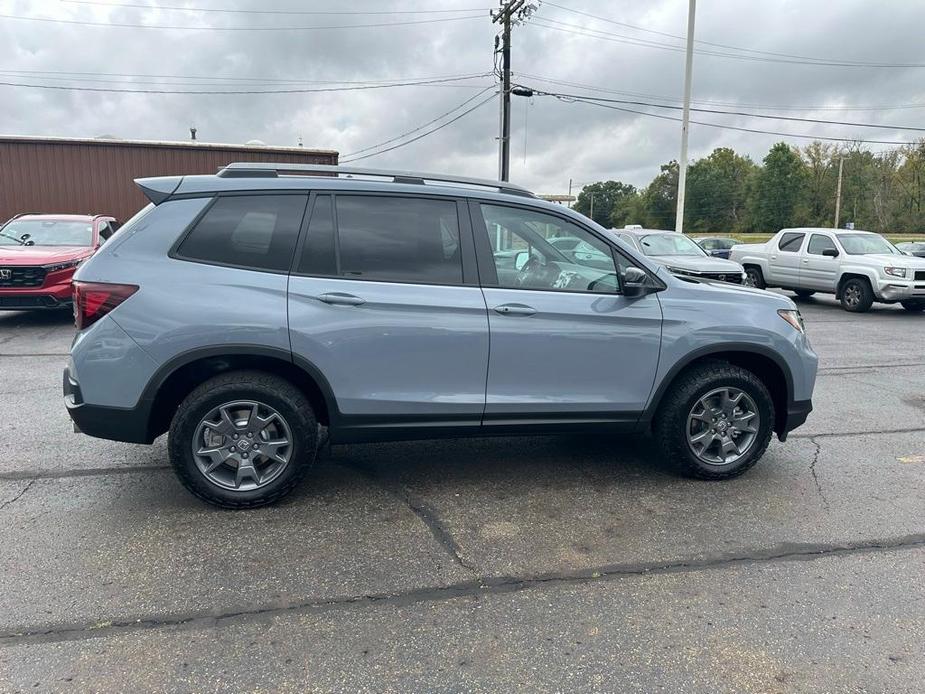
7	236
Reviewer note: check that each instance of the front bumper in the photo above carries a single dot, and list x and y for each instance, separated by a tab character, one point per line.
114	423
900	290
52	294
797	412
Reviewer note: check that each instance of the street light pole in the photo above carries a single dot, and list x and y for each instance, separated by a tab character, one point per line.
841	163
685	119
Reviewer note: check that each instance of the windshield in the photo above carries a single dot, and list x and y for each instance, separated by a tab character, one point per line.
670	244
866	244
37	232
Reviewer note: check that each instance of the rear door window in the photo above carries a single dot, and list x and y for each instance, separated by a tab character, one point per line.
251	231
398	239
791	242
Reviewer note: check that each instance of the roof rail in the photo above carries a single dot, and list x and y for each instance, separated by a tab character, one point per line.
267	170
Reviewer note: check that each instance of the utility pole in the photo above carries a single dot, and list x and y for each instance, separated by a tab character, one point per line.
685	119
510	12
591	213
841	163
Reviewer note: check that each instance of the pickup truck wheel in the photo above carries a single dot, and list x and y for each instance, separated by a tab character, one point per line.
856	295
754	278
914	305
804	293
243	439
716	421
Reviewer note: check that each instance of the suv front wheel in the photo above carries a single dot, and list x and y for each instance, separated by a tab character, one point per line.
243	439
716	421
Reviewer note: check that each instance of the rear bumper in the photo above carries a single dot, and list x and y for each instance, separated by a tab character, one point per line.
114	423
797	413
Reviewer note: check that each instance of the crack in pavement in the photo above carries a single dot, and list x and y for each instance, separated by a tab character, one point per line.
424	511
20	475
868	367
488	585
30	355
812	470
16	498
881	432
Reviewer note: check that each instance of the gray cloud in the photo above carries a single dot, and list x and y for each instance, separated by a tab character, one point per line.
577	141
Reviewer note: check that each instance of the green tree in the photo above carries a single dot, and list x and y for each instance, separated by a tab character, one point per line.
821	161
607	196
659	199
778	192
717	192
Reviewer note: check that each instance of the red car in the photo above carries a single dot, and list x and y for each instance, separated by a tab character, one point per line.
39	253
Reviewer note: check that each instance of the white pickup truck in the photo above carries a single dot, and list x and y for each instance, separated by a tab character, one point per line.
858	267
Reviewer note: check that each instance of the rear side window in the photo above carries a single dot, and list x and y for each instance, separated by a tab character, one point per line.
252	231
398	239
791	242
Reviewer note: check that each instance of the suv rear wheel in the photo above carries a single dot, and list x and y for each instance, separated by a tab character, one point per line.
856	295
243	439
716	422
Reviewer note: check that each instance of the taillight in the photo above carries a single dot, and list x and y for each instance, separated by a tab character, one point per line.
93	300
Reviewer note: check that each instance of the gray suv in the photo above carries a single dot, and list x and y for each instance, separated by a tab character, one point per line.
240	311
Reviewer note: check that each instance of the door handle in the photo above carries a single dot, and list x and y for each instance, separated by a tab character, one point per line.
805	260
514	310
341	299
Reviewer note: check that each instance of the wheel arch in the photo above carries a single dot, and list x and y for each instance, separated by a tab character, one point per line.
767	365
852	275
179	376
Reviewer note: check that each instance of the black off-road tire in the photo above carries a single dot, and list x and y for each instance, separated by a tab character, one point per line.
914	305
258	386
865	292
804	293
670	425
755	277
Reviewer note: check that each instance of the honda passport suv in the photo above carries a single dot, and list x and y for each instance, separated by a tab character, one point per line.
240	311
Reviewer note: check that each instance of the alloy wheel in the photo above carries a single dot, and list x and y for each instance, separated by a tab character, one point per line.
722	426
242	445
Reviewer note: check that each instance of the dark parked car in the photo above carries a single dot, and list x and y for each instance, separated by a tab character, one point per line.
717	246
916	248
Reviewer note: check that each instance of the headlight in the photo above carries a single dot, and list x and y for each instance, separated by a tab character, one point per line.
895	271
62	266
792	316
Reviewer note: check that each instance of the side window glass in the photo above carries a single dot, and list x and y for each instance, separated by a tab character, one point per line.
252	231
819	243
318	256
791	242
525	258
398	239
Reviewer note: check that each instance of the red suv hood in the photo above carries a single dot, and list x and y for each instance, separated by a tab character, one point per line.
41	255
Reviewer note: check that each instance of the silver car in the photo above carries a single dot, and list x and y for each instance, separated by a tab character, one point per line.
239	311
681	255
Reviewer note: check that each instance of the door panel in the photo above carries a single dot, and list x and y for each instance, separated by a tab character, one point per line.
818	271
784	265
591	355
391	351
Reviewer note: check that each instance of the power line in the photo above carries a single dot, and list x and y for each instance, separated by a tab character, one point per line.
813	59
620	38
733	113
224	10
109	90
121	25
420	127
422	135
738	128
596	88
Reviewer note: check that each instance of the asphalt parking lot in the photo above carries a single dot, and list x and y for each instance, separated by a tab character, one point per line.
527	564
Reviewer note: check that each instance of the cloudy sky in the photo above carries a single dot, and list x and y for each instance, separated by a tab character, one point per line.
763	57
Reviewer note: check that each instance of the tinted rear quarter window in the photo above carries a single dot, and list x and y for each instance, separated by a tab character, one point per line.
791	242
398	239
251	231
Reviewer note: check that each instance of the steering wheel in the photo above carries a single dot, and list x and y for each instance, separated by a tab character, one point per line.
535	274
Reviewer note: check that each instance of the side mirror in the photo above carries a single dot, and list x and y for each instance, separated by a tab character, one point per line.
716	253
635	282
830	252
521	259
